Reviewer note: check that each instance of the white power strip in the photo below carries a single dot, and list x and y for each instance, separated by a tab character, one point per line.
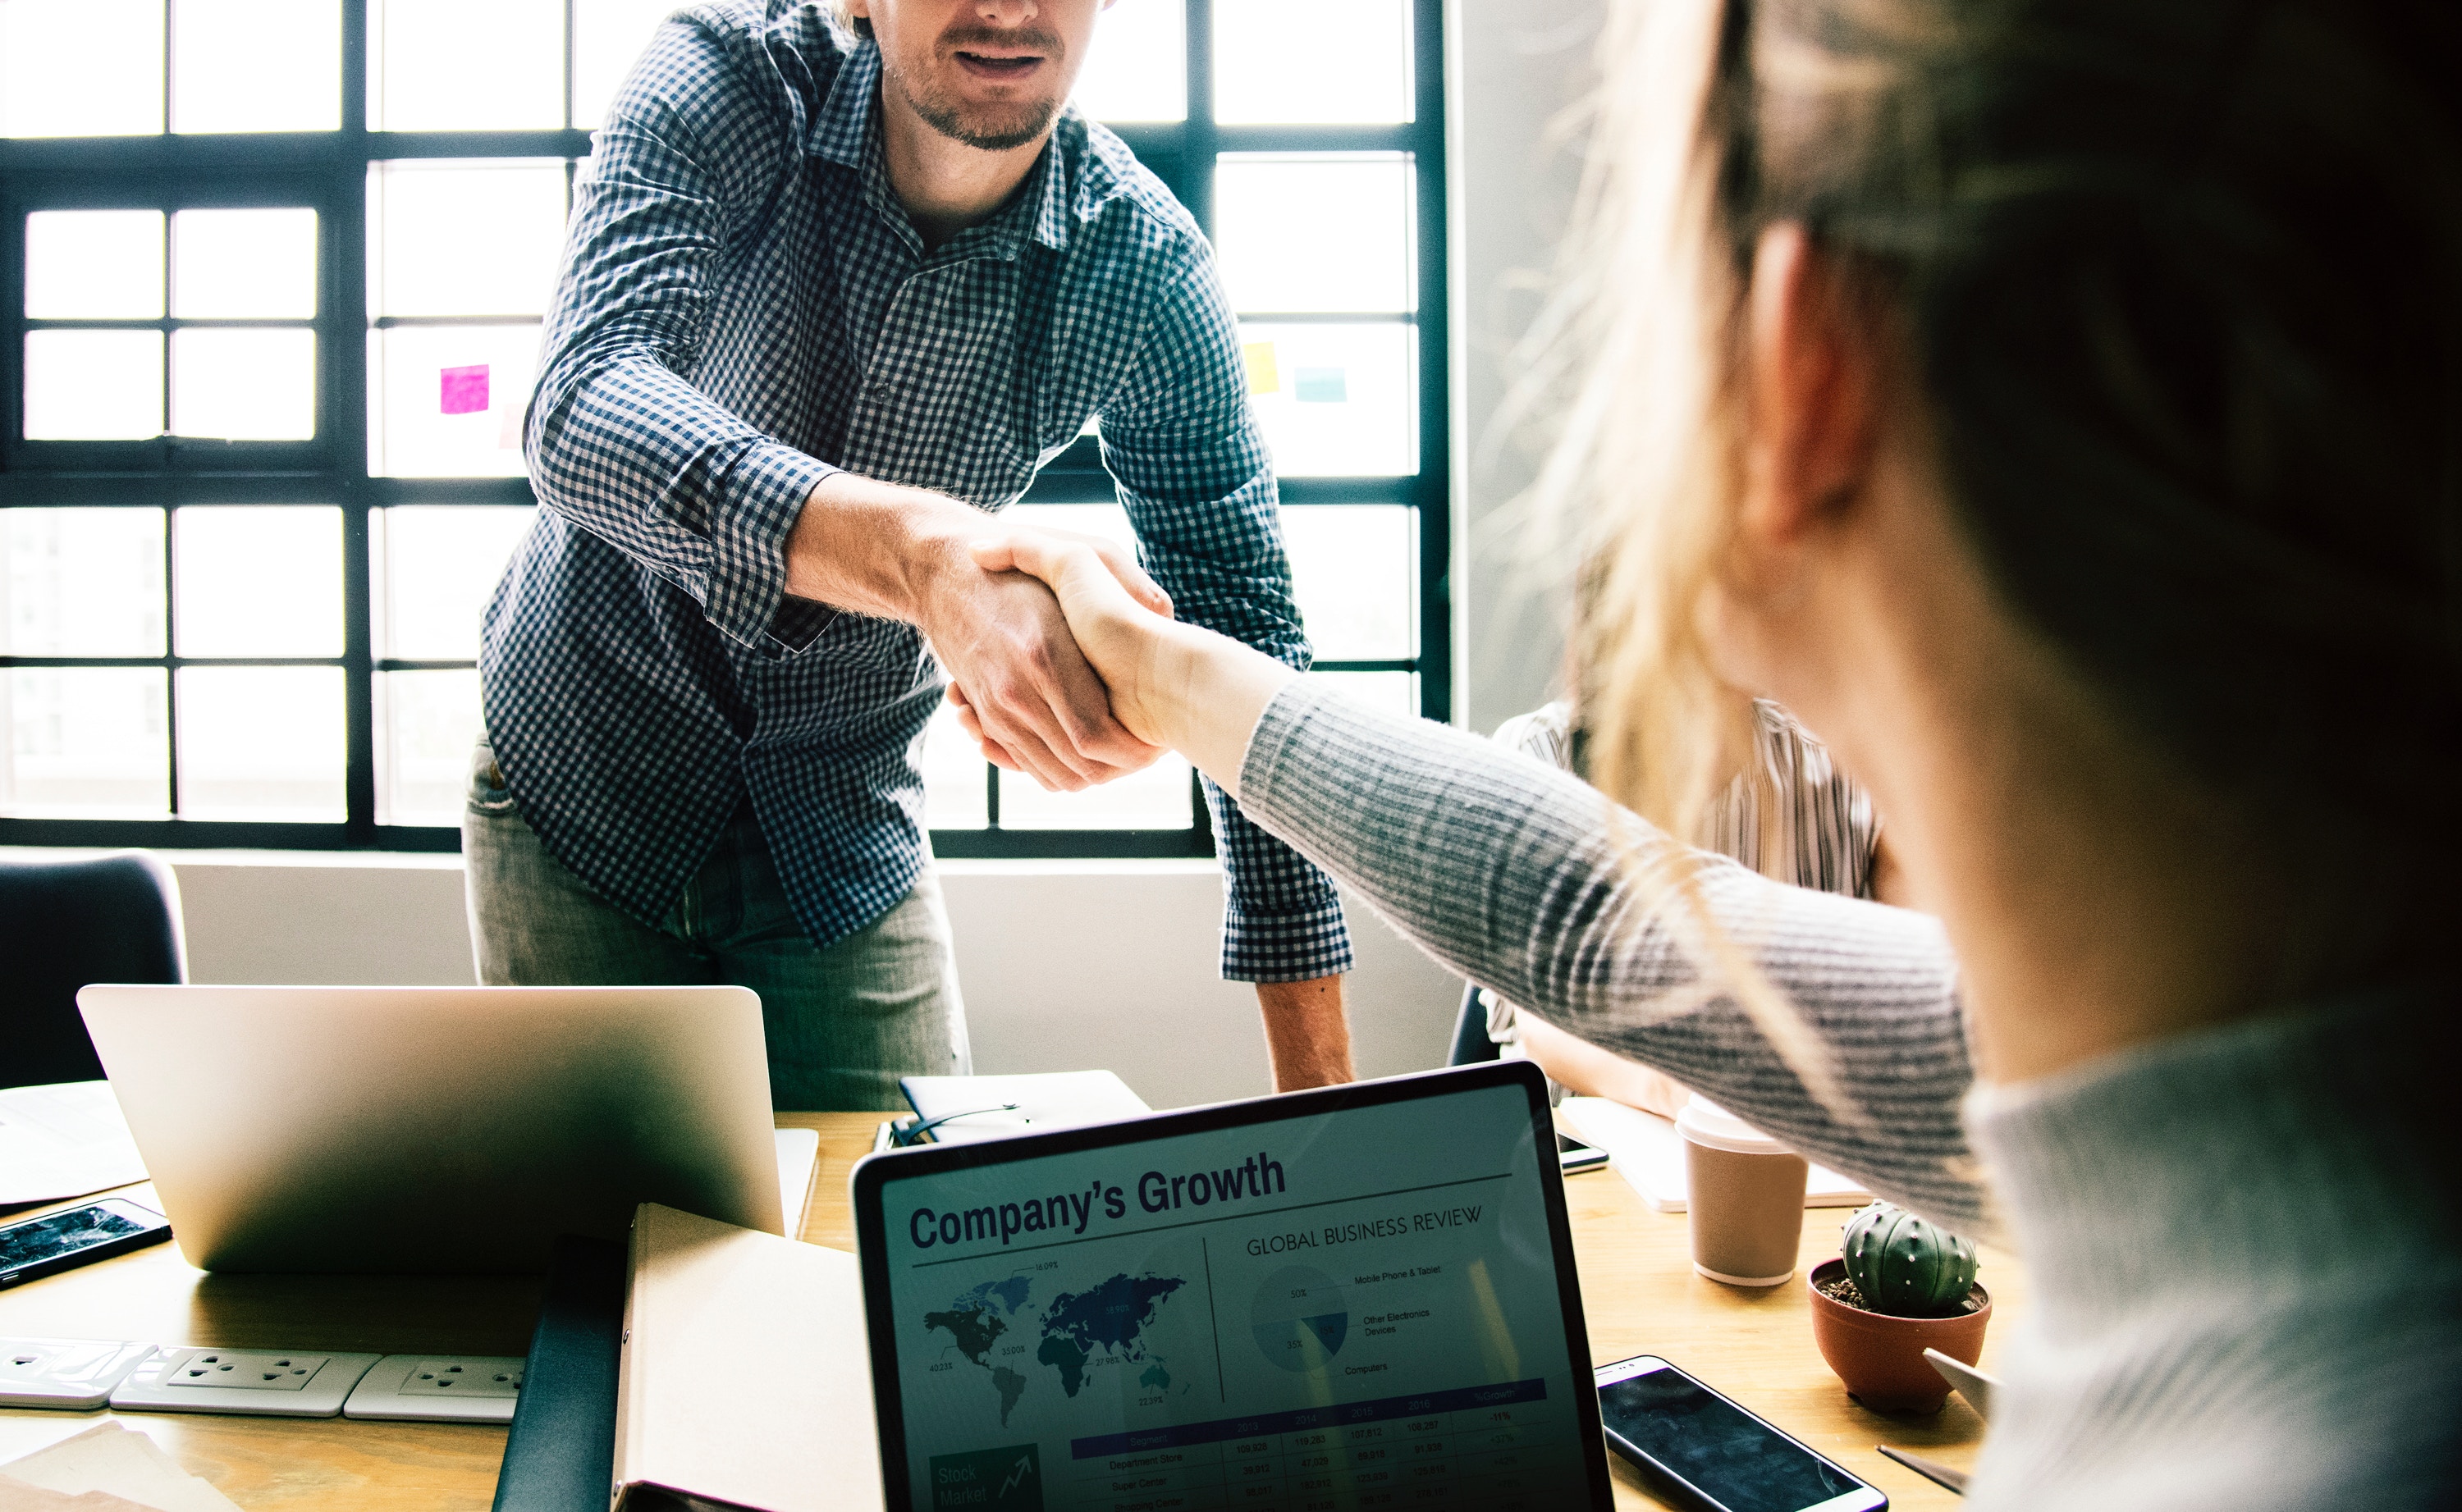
439	1388
83	1375
252	1383
70	1374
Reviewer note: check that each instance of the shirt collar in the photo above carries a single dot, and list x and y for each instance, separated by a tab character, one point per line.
842	128
846	131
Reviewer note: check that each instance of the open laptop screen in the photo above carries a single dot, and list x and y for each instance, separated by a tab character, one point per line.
1355	1298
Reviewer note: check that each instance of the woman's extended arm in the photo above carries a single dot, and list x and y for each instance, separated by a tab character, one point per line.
1513	875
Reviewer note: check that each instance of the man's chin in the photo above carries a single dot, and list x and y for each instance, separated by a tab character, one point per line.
997	139
990	128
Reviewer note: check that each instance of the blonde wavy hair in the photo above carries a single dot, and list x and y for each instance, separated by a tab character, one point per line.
2179	289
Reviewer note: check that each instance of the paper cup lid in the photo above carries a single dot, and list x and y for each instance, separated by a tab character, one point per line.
1705	1123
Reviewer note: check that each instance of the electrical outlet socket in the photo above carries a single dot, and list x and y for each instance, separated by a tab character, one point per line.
439	1388
247	1371
271	1383
72	1374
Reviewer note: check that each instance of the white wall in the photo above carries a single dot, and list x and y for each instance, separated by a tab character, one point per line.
1513	71
1064	964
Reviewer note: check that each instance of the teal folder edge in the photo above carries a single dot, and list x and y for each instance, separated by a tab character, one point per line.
560	1455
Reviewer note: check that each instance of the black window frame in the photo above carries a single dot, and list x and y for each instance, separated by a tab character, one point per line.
330	170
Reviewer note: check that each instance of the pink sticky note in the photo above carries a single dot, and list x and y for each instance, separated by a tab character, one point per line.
464	389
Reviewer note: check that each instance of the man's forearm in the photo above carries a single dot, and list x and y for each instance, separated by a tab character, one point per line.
876	549
1308	1033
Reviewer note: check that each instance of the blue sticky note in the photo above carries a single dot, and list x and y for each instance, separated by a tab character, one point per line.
1320	386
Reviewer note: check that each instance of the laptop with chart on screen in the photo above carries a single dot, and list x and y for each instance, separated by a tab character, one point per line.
1349	1300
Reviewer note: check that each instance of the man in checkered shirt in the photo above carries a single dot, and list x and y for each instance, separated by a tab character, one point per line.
836	284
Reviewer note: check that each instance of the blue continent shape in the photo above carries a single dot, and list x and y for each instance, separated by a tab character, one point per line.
1110	1315
1010	1293
1066	1358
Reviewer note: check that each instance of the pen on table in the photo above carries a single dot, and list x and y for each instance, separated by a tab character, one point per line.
1930	1470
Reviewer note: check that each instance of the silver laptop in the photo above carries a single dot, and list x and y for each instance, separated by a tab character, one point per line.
435	1129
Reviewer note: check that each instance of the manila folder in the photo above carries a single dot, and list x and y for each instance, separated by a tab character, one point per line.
746	1381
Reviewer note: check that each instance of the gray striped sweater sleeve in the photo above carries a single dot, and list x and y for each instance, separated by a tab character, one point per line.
1508	872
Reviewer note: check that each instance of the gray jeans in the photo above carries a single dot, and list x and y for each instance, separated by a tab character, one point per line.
843	1021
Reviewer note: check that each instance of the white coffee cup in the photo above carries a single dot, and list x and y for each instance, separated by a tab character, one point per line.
1746	1196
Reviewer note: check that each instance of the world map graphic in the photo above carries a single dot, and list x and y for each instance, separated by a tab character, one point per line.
1111	1317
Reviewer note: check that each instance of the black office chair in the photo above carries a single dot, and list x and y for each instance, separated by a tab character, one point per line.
1471	1044
66	923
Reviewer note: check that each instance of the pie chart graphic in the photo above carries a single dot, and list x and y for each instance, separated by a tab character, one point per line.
1298	1318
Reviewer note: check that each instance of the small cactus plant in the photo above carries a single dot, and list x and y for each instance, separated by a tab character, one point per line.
1904	1266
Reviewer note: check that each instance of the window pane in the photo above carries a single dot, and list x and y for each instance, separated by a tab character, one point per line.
93	264
445	401
261	743
1301	233
1356	566
953	796
84	743
435	568
608	37
466	65
243	385
1334	401
244	265
1156	797
426	722
256	65
80	68
81	582
1395	694
226	557
463	239
1311	60
1137	69
94	385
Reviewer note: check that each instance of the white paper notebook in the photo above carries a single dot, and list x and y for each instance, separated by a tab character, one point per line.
1054	1100
746	1380
1650	1154
799	1150
108	1466
64	1139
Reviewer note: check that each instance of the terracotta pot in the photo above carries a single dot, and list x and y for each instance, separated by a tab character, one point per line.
1881	1357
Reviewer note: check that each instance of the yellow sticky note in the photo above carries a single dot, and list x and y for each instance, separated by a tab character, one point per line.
1263	378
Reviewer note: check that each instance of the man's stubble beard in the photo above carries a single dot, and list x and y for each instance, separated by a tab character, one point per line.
986	128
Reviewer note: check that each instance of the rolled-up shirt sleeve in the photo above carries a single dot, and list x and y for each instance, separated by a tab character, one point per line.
1193	475
619	442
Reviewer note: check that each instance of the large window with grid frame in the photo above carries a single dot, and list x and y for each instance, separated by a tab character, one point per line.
271	278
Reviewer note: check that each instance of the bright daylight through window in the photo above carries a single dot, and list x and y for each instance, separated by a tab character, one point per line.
272	274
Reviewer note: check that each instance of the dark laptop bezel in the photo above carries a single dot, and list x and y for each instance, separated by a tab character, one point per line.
876	1171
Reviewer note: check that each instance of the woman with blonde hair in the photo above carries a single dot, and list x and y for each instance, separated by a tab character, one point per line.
2058	405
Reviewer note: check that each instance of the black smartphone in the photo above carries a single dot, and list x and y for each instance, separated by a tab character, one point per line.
1700	1450
72	1236
1574	1155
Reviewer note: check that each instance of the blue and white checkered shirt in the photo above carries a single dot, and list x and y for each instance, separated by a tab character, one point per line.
746	308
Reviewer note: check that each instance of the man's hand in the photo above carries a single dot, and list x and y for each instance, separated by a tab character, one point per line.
1308	1035
1171	684
1021	686
902	553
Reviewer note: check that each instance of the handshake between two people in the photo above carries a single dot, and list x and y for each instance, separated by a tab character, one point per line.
1164	685
1063	661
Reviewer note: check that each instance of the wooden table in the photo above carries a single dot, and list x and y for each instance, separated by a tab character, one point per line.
1637	1287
